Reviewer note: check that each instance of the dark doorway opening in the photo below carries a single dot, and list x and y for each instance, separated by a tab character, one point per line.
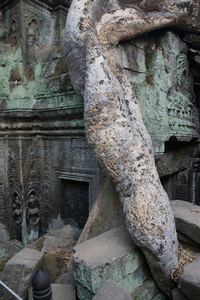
74	205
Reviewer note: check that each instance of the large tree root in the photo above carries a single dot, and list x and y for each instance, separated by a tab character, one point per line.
113	121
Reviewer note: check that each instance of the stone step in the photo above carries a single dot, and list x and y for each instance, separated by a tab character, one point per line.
189	281
187	218
59	292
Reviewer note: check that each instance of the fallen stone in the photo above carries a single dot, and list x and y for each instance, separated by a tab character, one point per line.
111	255
64	237
67	277
189	281
187	218
177	295
146	291
106	213
160	296
188	243
111	290
57	247
66	233
19	271
59	292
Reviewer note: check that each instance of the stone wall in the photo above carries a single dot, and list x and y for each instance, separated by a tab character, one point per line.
161	69
49	177
44	156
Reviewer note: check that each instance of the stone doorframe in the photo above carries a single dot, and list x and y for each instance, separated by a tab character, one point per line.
86	175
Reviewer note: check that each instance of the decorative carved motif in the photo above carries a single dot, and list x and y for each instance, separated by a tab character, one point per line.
182	186
17	208
13	34
32	34
33	213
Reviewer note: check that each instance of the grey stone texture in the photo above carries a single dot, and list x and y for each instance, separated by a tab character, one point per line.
19	271
63	238
189	281
177	295
111	290
153	74
111	255
107	213
187	218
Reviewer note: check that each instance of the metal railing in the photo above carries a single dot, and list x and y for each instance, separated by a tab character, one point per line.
10	291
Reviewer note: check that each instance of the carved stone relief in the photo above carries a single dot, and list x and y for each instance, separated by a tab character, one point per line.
13	34
158	69
17	208
182	186
33	213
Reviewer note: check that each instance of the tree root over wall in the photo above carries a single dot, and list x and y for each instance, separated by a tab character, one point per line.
113	120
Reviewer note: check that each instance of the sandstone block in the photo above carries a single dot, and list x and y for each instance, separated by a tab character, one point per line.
187	218
189	281
19	271
111	255
146	291
111	290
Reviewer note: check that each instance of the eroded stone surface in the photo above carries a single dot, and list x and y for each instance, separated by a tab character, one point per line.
189	281
187	219
111	290
110	255
19	271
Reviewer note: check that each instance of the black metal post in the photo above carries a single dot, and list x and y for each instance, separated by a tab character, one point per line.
41	286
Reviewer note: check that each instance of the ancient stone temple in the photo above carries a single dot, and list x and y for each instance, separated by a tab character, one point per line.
49	176
95	97
160	67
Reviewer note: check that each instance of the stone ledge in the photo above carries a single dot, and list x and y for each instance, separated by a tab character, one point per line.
189	281
187	218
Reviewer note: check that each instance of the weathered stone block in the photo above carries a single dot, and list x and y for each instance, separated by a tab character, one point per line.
189	281
19	271
187	219
146	291
112	255
177	295
111	290
160	296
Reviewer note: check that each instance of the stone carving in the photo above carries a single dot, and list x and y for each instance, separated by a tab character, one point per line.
181	186
17	208
33	213
113	121
32	34
13	34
